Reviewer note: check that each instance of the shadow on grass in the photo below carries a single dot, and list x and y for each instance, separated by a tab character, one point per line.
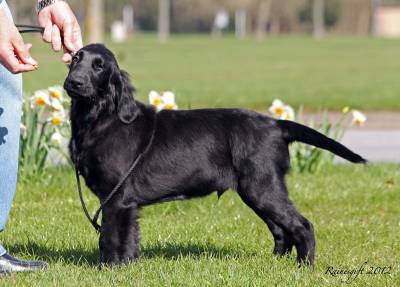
89	257
174	251
78	256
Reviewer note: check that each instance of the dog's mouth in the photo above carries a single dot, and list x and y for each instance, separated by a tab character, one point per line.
74	95
79	94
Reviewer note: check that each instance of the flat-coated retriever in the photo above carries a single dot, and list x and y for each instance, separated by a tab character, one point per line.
193	153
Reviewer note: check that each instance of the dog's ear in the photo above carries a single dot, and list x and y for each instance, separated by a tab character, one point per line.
126	107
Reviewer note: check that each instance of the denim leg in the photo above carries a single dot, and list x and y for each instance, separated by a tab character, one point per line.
10	119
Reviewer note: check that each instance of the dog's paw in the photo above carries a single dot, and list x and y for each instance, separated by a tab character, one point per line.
109	258
113	259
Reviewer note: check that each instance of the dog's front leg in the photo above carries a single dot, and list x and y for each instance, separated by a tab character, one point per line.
119	236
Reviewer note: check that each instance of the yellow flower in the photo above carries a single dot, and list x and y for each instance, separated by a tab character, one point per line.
155	99
281	111
359	118
168	101
56	121
170	107
288	114
40	98
56	92
164	102
277	108
345	110
56	105
57	117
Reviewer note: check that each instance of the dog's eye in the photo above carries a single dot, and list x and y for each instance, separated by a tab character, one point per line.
74	59
97	65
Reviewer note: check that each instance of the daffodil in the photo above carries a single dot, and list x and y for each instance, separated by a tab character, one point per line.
345	110
359	118
281	111
288	114
168	101
57	117
57	138
40	98
56	92
155	99
56	105
277	108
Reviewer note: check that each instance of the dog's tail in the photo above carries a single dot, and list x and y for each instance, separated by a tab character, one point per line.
293	131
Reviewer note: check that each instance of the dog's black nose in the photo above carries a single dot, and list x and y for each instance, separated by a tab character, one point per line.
76	83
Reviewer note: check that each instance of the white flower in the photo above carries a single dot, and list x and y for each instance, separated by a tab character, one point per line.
57	117
56	105
281	111
164	102
56	92
277	108
57	138
168	101
155	99
40	98
359	118
288	114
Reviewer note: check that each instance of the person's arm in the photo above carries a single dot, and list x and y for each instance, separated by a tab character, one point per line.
14	53
59	20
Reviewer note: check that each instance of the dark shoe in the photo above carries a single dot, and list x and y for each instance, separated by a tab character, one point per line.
10	264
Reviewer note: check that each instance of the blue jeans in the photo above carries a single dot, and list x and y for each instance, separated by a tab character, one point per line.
10	118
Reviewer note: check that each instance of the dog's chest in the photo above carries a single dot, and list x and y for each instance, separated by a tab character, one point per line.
92	165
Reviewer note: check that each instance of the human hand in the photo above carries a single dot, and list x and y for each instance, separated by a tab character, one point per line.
61	28
14	53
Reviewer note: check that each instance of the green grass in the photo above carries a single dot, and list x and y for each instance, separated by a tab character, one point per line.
210	242
204	72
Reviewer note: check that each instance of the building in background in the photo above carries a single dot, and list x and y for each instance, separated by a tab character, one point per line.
387	21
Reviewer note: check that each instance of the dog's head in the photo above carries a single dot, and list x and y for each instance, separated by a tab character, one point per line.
95	77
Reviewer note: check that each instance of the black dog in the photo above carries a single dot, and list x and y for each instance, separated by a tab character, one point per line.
193	153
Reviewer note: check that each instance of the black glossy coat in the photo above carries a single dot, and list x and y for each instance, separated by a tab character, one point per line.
194	153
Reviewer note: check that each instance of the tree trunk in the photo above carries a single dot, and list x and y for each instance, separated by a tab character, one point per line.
164	19
94	22
318	19
364	17
374	6
264	10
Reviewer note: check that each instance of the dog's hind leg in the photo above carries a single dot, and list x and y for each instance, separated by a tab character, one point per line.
283	241
119	236
268	197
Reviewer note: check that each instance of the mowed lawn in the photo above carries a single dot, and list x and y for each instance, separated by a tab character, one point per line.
332	73
210	242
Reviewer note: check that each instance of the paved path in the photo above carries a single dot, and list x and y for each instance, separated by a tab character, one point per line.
377	141
376	145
